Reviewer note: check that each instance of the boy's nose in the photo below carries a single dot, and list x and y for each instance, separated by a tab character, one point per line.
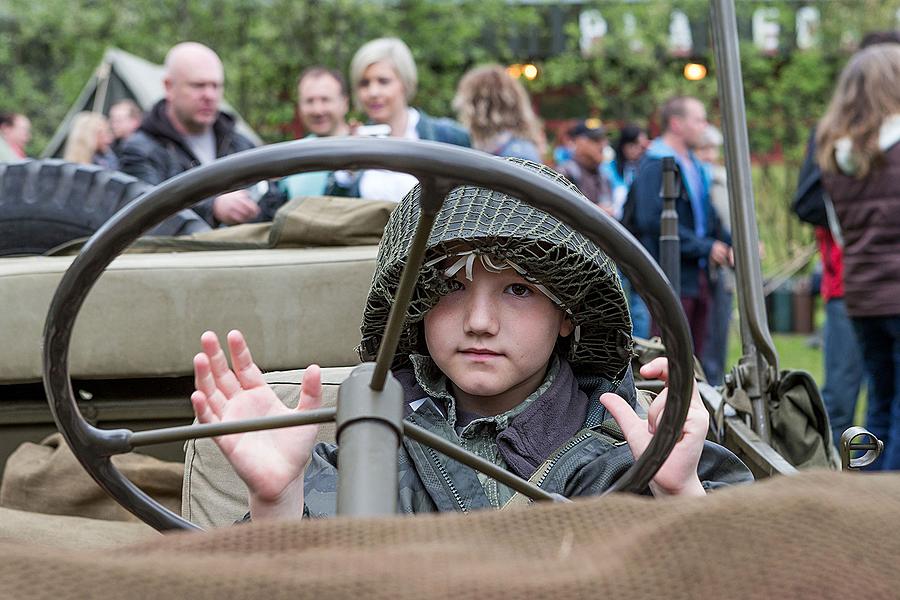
481	315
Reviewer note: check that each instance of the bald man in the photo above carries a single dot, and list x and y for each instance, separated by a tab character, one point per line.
186	129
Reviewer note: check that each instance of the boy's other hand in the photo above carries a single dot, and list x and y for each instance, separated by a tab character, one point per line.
678	475
270	462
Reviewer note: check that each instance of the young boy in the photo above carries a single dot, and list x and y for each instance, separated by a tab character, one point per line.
517	335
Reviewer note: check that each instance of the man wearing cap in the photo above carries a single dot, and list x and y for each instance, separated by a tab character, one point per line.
583	169
704	242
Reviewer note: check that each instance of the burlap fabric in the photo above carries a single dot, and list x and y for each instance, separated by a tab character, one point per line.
47	478
580	275
816	535
75	533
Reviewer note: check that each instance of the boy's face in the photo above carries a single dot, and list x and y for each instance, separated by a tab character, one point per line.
493	337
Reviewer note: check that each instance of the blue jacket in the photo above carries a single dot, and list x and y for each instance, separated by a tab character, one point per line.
441	129
647	208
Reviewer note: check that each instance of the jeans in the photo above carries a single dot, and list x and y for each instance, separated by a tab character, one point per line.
715	347
844	369
879	338
640	314
697	309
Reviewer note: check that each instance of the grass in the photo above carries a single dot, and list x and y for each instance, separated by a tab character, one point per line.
796	352
783	235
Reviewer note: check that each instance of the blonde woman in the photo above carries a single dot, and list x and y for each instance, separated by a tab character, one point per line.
858	144
90	140
497	111
384	78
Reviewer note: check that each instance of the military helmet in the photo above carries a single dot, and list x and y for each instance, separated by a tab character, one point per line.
576	274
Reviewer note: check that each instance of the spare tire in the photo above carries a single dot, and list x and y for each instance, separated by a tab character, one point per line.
44	203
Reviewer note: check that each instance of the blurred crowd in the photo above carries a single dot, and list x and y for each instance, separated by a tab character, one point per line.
613	167
617	168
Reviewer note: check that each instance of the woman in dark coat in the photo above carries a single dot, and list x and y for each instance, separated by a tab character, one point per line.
859	154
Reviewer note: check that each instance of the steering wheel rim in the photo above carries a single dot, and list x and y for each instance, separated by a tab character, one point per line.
449	165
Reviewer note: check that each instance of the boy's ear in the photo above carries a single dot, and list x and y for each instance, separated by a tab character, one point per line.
566	328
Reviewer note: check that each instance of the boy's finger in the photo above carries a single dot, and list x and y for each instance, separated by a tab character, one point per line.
658	368
655	412
205	383
248	374
622	412
225	379
201	408
311	389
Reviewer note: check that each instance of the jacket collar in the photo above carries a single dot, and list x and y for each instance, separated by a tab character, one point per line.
542	427
658	150
156	123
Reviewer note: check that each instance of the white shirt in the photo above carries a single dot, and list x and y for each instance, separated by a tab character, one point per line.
203	146
378	184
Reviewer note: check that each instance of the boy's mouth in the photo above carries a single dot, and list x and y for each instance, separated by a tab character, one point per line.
480	352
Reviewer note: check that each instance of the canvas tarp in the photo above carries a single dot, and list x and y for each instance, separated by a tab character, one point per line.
119	76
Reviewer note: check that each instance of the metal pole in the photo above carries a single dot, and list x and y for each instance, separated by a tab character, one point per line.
431	197
759	365
369	429
669	242
103	73
187	432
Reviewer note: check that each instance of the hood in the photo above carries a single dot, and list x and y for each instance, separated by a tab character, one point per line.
579	276
156	123
888	136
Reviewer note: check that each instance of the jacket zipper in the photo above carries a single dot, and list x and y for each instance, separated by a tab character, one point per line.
433	453
572	443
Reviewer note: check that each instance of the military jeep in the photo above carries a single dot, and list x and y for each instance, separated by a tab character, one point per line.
83	375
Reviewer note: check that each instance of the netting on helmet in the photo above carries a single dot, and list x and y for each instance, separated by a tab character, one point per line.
581	276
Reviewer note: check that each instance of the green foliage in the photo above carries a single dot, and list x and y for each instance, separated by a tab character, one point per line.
49	48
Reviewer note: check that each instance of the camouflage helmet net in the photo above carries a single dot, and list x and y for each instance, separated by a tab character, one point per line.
582	277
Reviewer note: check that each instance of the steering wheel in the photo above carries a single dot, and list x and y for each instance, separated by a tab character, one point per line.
439	168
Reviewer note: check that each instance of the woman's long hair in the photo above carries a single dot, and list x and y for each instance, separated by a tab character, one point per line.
82	142
489	102
867	92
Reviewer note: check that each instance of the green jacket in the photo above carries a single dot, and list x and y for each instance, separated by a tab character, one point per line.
586	461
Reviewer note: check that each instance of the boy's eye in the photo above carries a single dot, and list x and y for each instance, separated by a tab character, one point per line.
519	289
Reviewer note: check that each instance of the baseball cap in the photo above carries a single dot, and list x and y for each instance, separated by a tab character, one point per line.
590	128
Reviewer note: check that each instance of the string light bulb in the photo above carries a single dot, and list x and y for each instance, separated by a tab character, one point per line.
694	71
514	71
527	70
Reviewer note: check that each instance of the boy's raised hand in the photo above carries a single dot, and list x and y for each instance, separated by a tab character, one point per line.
270	462
678	475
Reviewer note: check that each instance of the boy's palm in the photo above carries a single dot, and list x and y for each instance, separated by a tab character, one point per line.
678	475
267	461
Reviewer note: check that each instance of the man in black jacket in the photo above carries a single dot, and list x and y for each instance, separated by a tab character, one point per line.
186	129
